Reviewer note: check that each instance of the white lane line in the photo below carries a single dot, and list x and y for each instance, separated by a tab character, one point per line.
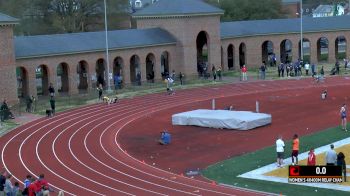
133	113
16	135
110	113
50	170
169	173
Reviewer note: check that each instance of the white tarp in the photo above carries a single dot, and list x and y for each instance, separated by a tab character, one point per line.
241	120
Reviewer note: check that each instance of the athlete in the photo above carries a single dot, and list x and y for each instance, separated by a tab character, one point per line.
343	116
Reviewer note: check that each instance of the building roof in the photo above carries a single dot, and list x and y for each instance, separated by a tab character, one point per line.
60	44
177	8
290	1
283	26
5	19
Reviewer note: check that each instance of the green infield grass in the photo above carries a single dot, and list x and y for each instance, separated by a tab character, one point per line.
226	172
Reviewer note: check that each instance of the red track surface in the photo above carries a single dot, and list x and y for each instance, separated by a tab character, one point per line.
96	150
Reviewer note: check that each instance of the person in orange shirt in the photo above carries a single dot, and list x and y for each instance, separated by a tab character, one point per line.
295	150
311	159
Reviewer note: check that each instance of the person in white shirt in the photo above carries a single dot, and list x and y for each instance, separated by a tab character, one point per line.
280	151
307	67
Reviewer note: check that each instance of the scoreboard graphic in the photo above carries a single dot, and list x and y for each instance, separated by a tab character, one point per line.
315	174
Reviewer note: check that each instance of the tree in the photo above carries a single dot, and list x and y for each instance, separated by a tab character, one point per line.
249	9
63	16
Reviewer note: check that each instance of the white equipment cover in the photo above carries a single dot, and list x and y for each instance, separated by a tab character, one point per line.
241	120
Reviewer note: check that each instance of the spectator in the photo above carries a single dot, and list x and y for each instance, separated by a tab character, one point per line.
313	69
219	72
280	151
100	91
244	73
341	162
53	105
2	182
32	189
16	191
331	156
262	71
307	67
29	103
42	185
311	159
138	78
51	90
181	78
173	75
322	72
8	185
337	67
26	184
213	70
5	111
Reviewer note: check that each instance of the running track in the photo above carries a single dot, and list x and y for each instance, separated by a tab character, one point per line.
79	151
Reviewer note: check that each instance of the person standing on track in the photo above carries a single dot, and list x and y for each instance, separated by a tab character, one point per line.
244	73
295	149
343	117
280	151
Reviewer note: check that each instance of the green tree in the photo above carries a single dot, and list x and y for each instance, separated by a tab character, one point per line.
64	16
249	9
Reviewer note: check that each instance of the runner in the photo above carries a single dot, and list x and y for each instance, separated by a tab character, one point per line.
343	116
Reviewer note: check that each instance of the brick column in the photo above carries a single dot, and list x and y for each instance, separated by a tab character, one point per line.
156	68
32	91
73	79
224	59
277	51
331	51
313	51
143	68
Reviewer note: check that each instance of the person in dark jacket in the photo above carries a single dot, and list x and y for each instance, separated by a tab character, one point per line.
341	162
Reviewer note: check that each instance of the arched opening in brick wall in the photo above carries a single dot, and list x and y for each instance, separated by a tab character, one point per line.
118	72
202	43
286	51
231	57
306	50
22	82
340	48
150	62
164	64
62	71
83	74
322	49
242	54
42	80
267	53
101	73
135	70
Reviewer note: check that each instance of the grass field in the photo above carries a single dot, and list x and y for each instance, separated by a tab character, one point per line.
227	171
6	126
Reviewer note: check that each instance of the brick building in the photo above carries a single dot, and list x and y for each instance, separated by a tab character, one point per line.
180	35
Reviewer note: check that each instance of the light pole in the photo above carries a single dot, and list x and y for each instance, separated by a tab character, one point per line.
107	48
301	32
